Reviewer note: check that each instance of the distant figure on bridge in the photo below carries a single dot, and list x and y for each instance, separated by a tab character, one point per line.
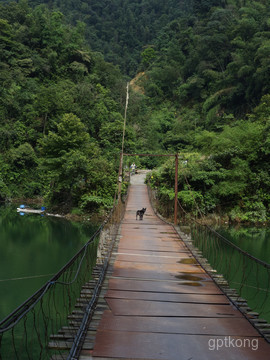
133	167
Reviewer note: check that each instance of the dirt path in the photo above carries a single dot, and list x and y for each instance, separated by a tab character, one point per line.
139	178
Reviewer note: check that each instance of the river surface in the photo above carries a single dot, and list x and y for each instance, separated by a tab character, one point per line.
249	277
254	240
32	249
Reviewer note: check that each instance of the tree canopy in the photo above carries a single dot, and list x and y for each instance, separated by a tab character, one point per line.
56	96
200	87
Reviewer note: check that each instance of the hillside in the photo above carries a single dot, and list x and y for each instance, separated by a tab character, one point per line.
60	112
119	29
201	89
206	81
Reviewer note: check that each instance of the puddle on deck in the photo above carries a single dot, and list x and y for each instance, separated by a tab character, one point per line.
192	280
191	283
188	261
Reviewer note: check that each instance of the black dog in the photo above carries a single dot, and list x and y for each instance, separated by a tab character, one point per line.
140	213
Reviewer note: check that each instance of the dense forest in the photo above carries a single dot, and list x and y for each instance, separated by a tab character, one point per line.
119	29
60	109
200	75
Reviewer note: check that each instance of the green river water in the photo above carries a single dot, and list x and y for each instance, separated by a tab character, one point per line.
32	249
249	277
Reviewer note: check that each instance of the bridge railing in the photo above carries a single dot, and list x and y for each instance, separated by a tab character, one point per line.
245	278
248	275
25	333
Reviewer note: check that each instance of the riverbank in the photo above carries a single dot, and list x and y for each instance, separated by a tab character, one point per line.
215	220
75	215
97	217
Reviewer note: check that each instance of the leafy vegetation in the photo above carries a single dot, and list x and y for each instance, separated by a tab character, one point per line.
229	174
201	89
212	72
56	99
119	29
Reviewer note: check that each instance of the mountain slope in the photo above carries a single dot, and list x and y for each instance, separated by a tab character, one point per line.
120	29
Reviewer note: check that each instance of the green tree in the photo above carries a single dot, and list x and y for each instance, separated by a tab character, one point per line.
148	55
66	155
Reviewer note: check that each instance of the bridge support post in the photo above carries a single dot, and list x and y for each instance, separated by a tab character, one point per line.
176	189
120	171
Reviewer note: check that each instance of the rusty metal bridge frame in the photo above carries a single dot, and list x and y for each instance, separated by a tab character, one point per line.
156	155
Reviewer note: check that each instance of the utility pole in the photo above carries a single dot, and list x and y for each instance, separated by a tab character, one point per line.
175	189
123	141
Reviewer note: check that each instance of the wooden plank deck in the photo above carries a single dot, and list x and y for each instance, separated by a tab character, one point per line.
162	305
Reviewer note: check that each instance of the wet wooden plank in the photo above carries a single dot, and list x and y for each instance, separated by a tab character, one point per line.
130	307
143	244
152	257
159	269
167	297
172	325
181	287
138	345
155	275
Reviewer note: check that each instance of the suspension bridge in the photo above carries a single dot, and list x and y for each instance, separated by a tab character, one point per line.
150	295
